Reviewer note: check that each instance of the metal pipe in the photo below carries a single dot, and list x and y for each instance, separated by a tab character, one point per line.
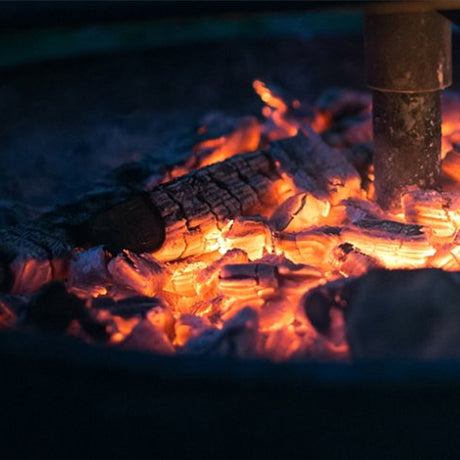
408	57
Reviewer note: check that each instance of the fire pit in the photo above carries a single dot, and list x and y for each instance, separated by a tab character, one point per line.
234	280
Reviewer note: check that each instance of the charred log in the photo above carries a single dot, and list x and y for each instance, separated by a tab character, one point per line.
185	216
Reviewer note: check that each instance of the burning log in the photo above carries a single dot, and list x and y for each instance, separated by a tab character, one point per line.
194	209
231	258
188	215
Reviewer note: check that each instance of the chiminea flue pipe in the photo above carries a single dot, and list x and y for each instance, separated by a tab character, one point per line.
408	58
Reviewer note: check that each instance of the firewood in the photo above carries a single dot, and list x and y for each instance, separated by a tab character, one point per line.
196	208
188	215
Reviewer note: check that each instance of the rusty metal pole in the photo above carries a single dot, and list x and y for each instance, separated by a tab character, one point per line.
408	58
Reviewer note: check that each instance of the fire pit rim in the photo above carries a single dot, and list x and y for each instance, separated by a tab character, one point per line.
63	352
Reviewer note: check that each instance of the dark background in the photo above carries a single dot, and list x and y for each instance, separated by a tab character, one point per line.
80	98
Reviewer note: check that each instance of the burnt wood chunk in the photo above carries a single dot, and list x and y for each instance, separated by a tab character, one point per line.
319	302
238	338
52	308
146	337
404	314
127	308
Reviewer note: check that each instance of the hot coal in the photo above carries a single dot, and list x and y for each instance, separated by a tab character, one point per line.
262	214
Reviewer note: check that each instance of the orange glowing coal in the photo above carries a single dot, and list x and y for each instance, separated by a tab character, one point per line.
237	287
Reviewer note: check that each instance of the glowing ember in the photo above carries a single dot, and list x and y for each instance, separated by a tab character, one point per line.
230	276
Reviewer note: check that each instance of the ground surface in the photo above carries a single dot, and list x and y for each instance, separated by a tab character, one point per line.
65	123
